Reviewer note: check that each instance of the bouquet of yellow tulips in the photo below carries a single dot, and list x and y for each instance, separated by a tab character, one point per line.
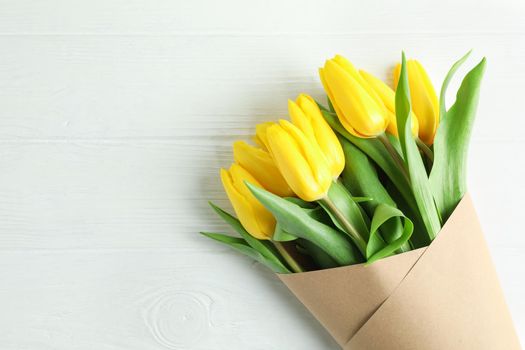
360	207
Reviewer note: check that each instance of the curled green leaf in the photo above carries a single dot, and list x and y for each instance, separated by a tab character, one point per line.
360	177
377	248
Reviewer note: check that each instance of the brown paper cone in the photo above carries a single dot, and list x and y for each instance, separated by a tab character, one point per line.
445	296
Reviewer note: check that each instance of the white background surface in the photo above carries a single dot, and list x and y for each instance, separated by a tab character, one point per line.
115	117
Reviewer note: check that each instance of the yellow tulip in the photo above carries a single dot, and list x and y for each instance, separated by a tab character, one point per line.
424	99
299	160
306	115
260	134
259	163
255	218
359	108
388	97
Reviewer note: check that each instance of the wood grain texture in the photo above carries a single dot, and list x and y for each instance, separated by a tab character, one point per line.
115	117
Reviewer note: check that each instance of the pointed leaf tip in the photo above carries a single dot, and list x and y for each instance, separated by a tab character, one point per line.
448	175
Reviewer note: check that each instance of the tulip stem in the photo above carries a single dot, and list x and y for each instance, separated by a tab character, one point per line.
425	149
395	155
347	225
294	265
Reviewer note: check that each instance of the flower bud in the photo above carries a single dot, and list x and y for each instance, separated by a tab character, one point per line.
300	161
254	217
388	97
306	115
357	105
423	99
259	163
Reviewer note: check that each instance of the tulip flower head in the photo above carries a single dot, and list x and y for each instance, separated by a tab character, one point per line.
387	96
424	99
306	115
259	163
359	109
255	218
300	161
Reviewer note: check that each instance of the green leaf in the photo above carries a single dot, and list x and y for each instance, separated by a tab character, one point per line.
360	177
374	149
418	176
446	82
241	246
448	176
224	238
376	248
302	203
362	199
296	221
349	211
280	235
419	237
263	247
311	208
320	258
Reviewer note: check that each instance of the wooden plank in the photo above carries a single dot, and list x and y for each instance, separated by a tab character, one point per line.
115	117
92	87
248	17
148	300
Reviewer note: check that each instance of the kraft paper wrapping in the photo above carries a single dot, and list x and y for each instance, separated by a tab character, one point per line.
445	296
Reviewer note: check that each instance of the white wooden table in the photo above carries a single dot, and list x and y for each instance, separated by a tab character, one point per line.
115	117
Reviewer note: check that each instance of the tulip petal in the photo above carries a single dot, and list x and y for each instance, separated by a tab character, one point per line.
384	92
264	247
299	160
338	111
254	217
395	75
359	109
311	153
423	99
387	95
302	120
432	100
261	166
260	134
262	217
351	70
318	131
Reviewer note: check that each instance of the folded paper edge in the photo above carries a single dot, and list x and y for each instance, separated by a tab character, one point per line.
312	275
299	282
283	276
466	202
466	198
